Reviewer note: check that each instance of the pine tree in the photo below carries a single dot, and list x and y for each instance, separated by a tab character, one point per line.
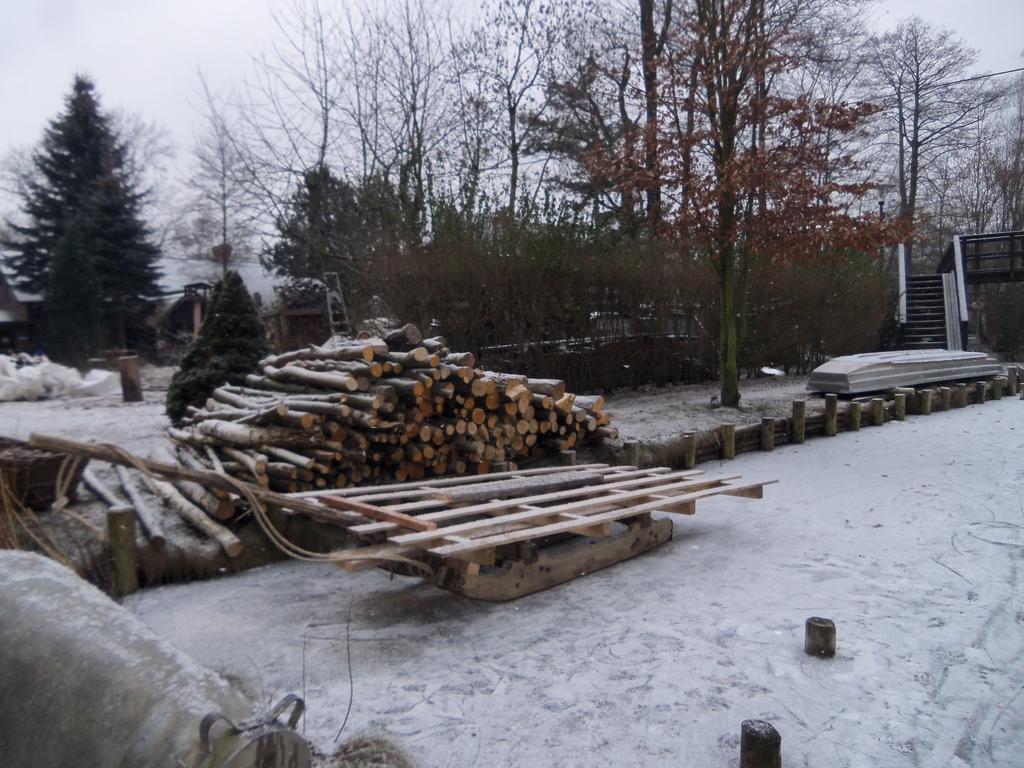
84	245
231	342
334	226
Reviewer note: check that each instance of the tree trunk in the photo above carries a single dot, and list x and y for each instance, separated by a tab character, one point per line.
728	340
652	45
513	146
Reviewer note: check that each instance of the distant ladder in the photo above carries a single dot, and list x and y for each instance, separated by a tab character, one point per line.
337	314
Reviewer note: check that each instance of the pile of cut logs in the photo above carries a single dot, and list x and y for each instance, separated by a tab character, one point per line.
375	409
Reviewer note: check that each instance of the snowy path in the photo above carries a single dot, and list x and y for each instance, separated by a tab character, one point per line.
910	537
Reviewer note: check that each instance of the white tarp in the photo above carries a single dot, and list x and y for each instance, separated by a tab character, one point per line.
37	378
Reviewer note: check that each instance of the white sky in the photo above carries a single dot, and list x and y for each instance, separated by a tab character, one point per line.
144	54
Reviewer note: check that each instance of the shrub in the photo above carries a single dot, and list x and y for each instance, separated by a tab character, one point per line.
231	342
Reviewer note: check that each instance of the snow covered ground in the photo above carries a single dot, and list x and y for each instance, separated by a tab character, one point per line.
139	427
652	413
910	536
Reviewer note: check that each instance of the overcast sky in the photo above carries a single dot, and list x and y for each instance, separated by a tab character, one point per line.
144	54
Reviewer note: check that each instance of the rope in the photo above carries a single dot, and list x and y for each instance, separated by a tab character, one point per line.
259	512
65	474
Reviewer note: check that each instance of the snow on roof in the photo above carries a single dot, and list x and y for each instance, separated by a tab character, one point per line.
178	272
8	276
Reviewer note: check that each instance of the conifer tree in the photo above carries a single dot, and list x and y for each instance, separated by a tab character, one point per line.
334	226
84	245
231	342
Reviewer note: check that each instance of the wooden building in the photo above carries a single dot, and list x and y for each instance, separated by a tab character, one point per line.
21	315
182	318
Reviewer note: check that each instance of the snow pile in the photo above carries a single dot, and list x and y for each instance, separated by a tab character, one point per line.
36	378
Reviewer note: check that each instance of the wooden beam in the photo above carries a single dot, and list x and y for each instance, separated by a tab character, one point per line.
381	514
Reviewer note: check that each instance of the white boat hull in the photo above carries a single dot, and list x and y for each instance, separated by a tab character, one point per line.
879	371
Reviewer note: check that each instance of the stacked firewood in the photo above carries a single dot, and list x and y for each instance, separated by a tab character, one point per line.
371	410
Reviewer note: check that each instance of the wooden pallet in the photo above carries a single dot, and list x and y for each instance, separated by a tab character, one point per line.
505	535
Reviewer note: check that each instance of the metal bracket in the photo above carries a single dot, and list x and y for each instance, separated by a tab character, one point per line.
259	721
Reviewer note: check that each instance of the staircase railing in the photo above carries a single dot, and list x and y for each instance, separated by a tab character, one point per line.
954	340
954	280
902	267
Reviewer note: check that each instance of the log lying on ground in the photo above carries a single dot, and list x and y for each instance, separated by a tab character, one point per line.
100	490
373	410
145	513
195	516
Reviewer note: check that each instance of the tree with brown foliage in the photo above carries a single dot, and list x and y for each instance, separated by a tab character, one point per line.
743	157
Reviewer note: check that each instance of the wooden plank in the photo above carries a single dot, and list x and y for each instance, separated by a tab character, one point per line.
423	487
571	526
671	505
435	498
689	490
504	525
583	505
496	507
378	513
520	486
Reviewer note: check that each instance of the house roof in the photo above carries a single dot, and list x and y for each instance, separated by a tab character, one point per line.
7	275
179	272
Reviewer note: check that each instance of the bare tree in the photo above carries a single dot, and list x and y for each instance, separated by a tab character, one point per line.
287	115
932	102
510	52
1007	163
652	43
415	81
594	100
220	195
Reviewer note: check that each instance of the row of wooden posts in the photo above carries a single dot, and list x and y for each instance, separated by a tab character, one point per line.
728	440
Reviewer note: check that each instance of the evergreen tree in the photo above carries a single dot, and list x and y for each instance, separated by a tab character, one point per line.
84	244
230	344
334	226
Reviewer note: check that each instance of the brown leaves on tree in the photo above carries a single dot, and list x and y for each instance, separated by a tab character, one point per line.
747	162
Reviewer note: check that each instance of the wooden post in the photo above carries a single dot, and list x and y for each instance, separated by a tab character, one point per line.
853	416
633	454
961	395
877	411
912	403
760	745
131	383
946	397
565	458
689	450
901	406
728	441
767	434
819	637
1011	380
997	388
799	420
121	540
831	405
979	390
925	399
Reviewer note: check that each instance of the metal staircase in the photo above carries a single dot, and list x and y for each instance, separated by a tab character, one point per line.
926	313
